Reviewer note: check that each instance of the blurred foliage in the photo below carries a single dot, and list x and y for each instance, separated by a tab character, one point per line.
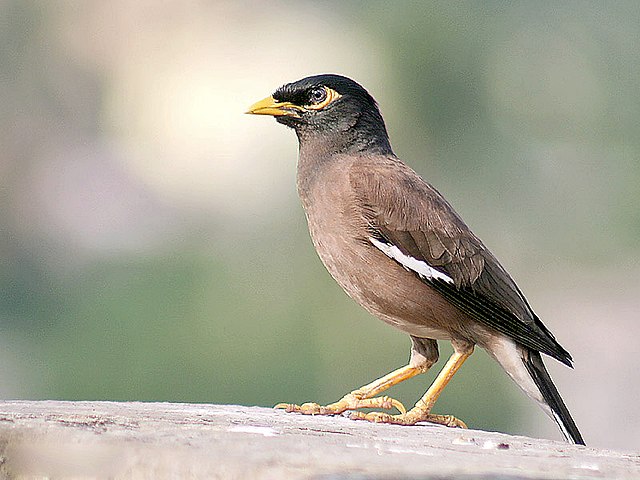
525	115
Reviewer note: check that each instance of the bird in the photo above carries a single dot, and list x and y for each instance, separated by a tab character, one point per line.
400	250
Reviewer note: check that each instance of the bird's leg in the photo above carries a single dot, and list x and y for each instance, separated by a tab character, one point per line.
421	412
424	354
363	397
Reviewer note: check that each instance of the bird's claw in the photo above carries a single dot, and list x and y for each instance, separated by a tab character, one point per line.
446	420
348	402
306	408
409	418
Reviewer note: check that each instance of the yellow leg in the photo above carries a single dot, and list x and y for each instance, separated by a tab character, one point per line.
363	397
421	412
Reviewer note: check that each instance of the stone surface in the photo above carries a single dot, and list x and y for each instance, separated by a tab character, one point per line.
160	440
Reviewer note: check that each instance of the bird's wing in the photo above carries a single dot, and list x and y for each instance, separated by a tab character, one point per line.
416	227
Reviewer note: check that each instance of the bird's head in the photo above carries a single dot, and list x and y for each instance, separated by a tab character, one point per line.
331	107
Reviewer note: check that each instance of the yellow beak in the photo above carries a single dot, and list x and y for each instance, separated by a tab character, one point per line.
270	106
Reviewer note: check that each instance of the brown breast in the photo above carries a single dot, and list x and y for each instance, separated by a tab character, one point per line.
383	287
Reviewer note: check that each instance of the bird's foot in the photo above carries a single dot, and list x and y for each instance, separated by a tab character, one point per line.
351	401
412	417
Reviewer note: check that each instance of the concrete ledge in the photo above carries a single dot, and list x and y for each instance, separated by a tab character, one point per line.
161	440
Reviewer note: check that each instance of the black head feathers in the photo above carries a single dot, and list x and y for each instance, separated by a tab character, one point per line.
336	107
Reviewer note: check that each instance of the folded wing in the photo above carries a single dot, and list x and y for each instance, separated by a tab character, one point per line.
415	226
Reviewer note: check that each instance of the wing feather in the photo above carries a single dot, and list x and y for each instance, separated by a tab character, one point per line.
406	212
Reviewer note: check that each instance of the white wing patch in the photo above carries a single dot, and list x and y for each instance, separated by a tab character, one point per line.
410	263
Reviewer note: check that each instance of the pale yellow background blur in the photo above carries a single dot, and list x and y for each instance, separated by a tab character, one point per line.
151	242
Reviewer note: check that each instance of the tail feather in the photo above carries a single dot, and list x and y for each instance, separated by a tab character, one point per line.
534	365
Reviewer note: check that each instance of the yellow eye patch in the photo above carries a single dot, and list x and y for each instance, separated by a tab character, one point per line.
331	96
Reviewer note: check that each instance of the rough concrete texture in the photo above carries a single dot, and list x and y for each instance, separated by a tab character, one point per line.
160	440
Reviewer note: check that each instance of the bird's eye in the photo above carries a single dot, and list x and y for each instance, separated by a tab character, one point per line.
318	95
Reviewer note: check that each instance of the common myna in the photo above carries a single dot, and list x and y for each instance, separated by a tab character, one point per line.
397	247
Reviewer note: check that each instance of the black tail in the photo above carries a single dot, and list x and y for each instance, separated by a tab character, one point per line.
533	362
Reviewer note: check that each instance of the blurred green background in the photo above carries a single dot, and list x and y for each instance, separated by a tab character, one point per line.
152	246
